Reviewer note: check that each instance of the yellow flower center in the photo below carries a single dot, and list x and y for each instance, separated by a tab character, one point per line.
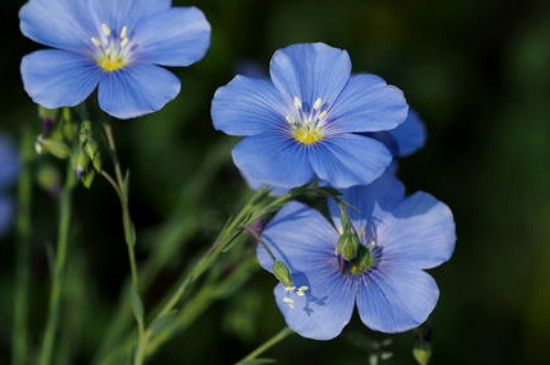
113	50
307	123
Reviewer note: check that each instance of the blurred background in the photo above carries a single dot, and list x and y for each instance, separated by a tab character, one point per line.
478	72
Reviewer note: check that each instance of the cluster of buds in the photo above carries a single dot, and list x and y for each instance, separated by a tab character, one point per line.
86	160
354	257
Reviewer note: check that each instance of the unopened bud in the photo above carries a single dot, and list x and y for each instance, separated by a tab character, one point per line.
49	179
282	273
88	179
422	352
92	150
85	131
56	148
80	163
348	246
364	260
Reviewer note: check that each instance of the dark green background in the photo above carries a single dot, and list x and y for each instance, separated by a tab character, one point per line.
479	74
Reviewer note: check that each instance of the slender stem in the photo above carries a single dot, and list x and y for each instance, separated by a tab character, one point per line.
58	270
259	240
130	238
23	251
284	333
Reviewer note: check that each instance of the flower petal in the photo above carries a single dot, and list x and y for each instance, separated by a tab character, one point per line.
137	90
396	299
6	214
9	162
299	236
176	37
273	158
406	139
324	310
310	71
56	78
129	13
247	106
345	160
369	201
64	24
368	104
420	231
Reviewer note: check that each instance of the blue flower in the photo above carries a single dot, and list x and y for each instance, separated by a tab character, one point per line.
306	122
9	167
117	46
399	237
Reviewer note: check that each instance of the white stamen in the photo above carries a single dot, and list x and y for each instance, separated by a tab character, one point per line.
290	119
318	104
302	291
96	42
323	115
288	301
290	288
105	29
124	42
124	32
297	103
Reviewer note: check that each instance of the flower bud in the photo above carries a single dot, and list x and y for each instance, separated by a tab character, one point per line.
47	118
56	148
364	260
282	273
88	179
80	163
49	179
422	352
92	150
348	245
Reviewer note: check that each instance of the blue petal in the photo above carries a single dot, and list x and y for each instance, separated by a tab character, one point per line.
396	299
405	139
370	201
310	71
275	159
247	106
6	214
257	185
368	104
55	78
129	13
303	239
62	24
176	37
345	160
326	308
420	231
137	90
9	162
299	236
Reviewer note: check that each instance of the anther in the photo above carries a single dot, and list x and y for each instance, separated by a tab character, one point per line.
105	29
318	104
124	32
96	42
297	103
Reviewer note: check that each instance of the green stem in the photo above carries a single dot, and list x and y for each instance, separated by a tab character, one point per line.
23	251
58	270
284	333
130	238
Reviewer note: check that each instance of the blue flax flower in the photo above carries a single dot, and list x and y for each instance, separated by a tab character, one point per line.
9	167
116	46
305	122
399	237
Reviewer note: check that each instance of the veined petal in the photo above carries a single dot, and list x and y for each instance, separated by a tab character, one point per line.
175	37
9	162
120	13
396	299
6	214
405	139
275	159
368	104
137	90
324	310
56	78
64	24
300	237
420	231
257	185
247	106
368	202
346	160
310	71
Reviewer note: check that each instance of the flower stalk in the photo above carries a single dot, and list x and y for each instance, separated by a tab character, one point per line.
284	333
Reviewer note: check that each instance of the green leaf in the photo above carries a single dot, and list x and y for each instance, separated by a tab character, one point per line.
159	324
137	304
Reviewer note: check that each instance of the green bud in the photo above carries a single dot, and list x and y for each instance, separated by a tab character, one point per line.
282	273
92	150
364	259
55	148
80	163
44	113
422	352
88	179
85	131
49	178
348	245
